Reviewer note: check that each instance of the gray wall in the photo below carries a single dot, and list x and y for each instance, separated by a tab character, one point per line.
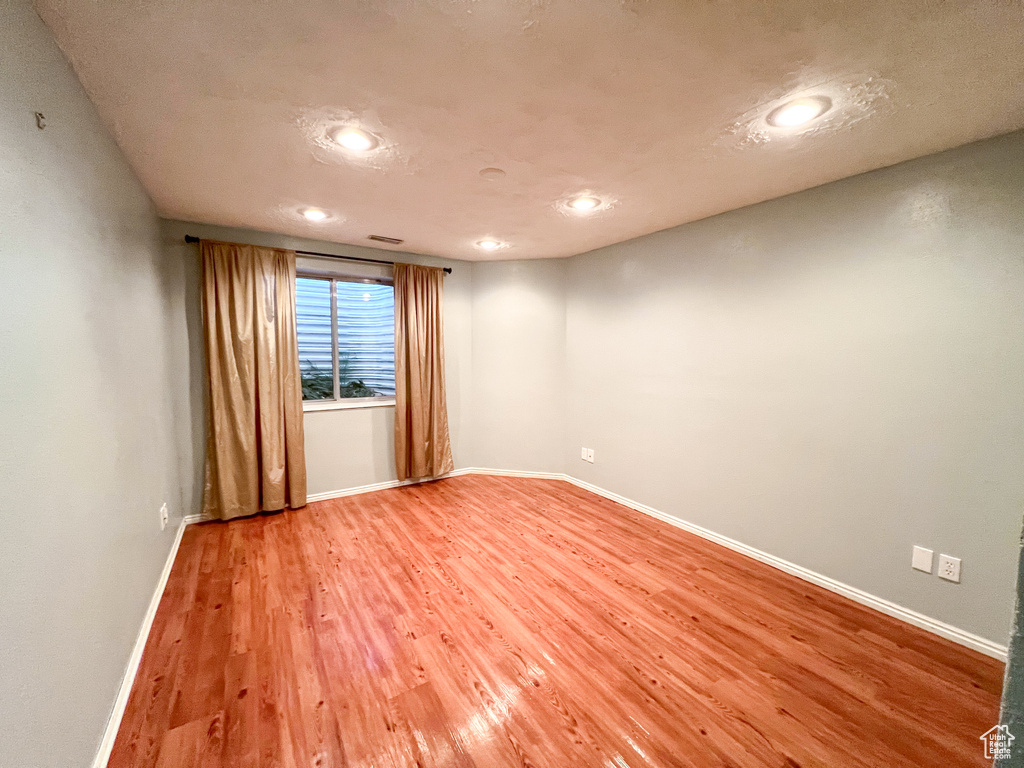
831	377
518	381
87	393
344	448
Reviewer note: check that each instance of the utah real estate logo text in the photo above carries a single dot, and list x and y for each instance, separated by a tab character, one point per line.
998	741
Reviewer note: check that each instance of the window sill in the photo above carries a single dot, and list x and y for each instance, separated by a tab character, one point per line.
348	403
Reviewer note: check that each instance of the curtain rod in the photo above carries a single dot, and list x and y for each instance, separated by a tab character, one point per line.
447	270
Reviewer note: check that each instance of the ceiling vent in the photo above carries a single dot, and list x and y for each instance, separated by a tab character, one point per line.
388	240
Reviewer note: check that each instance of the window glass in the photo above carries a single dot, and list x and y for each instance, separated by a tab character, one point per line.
363	347
313	322
366	339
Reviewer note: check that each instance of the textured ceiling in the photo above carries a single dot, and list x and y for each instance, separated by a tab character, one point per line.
655	106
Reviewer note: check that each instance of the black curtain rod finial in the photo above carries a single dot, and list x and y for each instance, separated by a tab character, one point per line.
447	270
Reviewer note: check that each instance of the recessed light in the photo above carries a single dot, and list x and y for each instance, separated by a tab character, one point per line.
314	214
584	204
366	297
799	111
488	245
354	140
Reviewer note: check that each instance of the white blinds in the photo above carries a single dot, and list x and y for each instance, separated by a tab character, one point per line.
365	338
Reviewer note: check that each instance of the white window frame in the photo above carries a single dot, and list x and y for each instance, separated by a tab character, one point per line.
339	403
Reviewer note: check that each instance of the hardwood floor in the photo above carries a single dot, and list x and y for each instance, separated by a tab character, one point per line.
485	621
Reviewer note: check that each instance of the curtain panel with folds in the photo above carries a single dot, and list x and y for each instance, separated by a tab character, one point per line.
422	445
255	455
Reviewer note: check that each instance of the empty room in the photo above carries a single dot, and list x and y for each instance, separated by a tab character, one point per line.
539	383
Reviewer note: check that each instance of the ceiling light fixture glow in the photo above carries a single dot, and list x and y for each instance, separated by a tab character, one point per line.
799	112
584	204
488	245
314	214
354	140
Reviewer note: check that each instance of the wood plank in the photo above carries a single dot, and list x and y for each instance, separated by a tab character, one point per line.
198	744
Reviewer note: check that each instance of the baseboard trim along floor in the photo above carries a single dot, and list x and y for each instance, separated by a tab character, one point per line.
887	607
114	721
455	473
935	626
940	628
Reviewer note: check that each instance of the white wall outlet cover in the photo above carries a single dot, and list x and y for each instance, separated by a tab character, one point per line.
163	515
583	453
922	559
949	568
590	455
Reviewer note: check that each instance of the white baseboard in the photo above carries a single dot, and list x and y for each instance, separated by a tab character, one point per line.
887	607
132	669
114	721
454	473
361	489
511	473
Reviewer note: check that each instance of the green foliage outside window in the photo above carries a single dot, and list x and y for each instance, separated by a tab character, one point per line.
317	384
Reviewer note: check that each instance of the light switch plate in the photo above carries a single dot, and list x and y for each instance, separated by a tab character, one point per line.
922	560
583	454
590	455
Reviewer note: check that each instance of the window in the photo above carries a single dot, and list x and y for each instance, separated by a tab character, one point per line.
346	335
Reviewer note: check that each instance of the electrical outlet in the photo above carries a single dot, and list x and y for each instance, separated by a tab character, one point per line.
583	454
922	559
163	516
949	568
590	455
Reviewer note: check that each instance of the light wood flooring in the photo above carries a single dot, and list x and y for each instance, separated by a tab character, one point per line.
491	622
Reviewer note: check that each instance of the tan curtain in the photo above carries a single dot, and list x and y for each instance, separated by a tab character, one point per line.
422	446
255	457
